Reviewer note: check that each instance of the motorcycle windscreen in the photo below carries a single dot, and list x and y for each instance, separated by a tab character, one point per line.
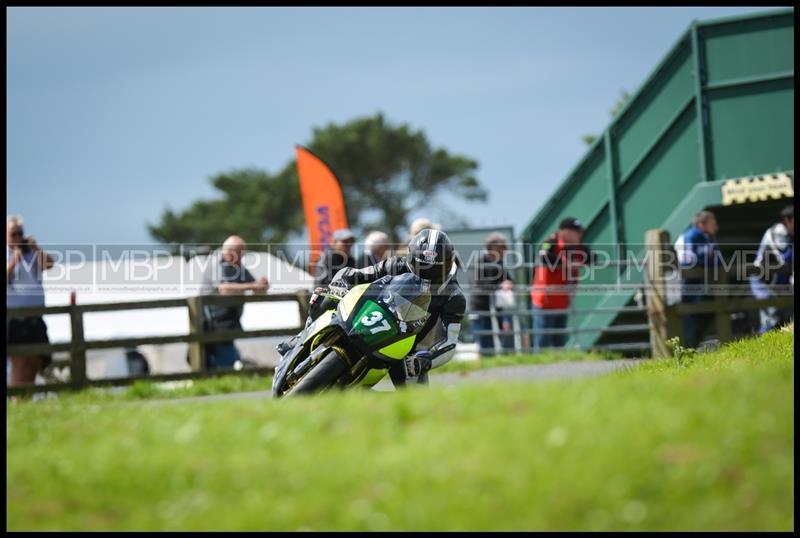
413	310
408	296
373	324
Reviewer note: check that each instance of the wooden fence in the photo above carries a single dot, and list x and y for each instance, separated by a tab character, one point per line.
196	338
665	319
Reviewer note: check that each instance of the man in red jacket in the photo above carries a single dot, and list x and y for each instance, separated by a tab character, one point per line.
559	260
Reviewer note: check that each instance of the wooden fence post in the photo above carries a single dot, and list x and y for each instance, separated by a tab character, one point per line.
659	317
78	347
197	350
722	316
77	350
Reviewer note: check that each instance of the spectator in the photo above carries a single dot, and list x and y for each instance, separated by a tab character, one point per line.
697	248
775	260
227	276
560	257
376	247
25	262
336	256
489	277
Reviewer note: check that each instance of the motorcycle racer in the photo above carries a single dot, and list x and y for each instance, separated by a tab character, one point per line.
431	257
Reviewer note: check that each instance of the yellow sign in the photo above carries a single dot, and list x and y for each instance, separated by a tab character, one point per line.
757	189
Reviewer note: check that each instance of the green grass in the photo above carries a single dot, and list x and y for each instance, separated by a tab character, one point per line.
706	443
149	390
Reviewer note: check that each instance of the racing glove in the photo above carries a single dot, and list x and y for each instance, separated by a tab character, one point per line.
326	298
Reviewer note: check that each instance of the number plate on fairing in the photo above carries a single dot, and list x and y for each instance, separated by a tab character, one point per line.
374	324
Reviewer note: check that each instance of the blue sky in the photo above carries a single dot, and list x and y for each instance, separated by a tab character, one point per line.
115	114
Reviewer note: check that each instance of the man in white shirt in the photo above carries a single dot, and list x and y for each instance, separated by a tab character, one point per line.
775	258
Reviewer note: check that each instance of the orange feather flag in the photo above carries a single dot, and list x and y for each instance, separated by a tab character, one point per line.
322	201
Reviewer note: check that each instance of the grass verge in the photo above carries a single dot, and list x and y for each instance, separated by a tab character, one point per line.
706	443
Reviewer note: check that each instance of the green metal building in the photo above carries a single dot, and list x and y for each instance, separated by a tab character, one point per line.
712	127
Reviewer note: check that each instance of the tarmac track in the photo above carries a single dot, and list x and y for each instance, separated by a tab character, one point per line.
526	372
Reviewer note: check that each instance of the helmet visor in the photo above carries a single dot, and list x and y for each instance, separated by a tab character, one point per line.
436	273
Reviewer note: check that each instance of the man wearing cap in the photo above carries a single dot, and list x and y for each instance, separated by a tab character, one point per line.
558	262
336	256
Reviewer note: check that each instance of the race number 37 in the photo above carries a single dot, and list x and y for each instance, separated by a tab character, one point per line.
374	318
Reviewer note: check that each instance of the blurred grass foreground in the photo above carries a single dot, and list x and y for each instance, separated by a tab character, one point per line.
701	442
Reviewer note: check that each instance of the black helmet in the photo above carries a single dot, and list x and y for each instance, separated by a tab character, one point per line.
431	256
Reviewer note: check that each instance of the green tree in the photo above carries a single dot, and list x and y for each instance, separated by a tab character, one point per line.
624	97
386	172
258	206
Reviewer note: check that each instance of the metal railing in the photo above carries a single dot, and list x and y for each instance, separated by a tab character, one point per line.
197	337
722	307
524	333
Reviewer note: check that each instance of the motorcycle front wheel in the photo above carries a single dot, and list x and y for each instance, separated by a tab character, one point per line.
322	376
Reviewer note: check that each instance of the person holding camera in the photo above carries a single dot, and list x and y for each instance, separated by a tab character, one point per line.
25	262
